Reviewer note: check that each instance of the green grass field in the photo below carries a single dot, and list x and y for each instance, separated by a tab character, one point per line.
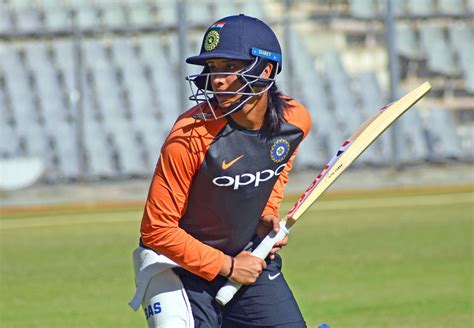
366	260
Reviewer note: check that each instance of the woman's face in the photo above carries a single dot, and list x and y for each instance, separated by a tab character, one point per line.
225	82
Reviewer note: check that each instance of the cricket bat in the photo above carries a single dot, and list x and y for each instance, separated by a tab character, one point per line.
349	151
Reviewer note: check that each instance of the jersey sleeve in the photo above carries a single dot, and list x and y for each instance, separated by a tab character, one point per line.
298	116
166	203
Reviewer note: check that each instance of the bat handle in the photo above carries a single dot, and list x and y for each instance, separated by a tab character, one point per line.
227	292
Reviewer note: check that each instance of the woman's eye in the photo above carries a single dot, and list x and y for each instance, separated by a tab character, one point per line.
230	67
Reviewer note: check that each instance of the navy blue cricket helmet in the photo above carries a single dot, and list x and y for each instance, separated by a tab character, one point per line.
238	37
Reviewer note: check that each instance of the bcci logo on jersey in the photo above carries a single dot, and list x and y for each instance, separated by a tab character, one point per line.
279	150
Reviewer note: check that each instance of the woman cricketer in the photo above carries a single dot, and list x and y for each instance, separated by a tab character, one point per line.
218	184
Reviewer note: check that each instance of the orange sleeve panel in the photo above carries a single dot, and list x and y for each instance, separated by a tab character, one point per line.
298	116
181	156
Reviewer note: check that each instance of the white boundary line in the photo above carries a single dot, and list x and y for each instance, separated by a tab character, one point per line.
323	205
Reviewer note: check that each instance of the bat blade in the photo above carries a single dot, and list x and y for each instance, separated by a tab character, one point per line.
352	148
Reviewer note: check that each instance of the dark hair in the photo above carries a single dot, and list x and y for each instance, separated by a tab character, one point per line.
274	117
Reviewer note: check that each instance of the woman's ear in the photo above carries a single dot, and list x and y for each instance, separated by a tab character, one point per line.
267	71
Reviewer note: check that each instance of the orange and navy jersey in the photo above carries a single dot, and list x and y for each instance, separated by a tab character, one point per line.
213	181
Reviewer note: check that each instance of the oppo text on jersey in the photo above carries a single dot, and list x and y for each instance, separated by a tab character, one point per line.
247	178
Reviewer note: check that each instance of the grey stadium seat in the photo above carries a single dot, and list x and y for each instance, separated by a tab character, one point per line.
49	90
407	41
98	152
28	19
421	7
443	138
451	7
440	55
346	111
411	140
9	140
153	134
114	15
131	160
64	139
364	8
371	99
321	142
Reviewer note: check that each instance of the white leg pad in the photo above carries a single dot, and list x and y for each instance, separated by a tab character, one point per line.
160	291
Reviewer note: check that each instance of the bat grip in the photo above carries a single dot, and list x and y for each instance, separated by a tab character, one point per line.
227	292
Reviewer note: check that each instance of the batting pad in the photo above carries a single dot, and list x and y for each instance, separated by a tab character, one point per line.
160	291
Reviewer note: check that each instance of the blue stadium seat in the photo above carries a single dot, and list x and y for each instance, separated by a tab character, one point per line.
57	18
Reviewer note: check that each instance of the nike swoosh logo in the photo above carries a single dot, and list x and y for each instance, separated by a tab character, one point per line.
225	165
270	277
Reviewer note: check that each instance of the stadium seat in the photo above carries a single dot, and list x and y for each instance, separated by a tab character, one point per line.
6	22
254	9
9	140
451	7
152	133
64	140
167	12
113	16
407	42
460	34
64	64
421	7
57	18
142	14
345	109
364	8
223	9
442	136
130	154
440	56
51	99
162	78
371	99
18	88
412	146
86	17
200	12
28	19
98	152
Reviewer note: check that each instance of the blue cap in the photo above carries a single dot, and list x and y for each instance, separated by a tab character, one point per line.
238	37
